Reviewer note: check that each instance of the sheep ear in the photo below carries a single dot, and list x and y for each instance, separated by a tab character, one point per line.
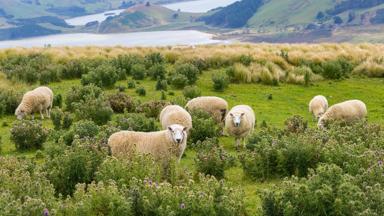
185	129
242	114
170	129
231	114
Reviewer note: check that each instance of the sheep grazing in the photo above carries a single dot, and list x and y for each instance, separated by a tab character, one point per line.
215	106
174	114
38	100
318	106
240	122
348	111
160	144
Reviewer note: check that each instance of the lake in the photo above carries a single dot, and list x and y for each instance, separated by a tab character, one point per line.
199	6
100	17
157	38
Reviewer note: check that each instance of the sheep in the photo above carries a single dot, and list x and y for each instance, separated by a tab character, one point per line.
215	106
174	114
318	106
160	144
346	111
240	122
37	100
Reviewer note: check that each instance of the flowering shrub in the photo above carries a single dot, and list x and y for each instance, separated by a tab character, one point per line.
96	109
136	122
120	102
28	134
60	119
81	129
212	159
103	76
203	127
152	108
81	93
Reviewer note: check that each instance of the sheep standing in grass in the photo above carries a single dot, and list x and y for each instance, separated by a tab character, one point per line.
240	122
215	106
38	100
318	106
348	111
174	114
160	144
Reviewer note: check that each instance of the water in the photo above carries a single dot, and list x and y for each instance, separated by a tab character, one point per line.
199	6
100	17
158	38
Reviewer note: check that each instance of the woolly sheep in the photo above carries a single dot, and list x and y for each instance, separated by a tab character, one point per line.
174	114
346	111
318	106
160	144
216	106
240	122
37	100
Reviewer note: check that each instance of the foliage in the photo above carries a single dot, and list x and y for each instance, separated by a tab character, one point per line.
141	91
157	71
204	127
28	135
60	119
9	100
184	74
131	84
95	109
152	108
138	71
212	159
81	93
81	129
57	100
103	76
120	102
161	85
220	81
136	122
191	92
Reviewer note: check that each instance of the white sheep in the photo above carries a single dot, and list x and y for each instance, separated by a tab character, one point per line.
318	106
37	100
346	111
174	114
240	122
160	144
215	106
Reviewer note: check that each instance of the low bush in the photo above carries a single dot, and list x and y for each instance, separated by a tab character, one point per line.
121	102
326	191
81	93
141	91
131	84
212	159
178	81
204	127
152	59
296	124
370	68
95	109
138	72
104	76
60	119
28	135
220	81
81	129
152	108
157	72
9	100
57	100
191	92
75	68
73	164
189	71
336	69
125	62
136	122
161	85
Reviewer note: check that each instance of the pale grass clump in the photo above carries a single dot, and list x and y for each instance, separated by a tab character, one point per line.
370	68
302	75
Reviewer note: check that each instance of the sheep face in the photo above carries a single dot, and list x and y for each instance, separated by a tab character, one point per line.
20	113
236	118
318	116
321	124
178	133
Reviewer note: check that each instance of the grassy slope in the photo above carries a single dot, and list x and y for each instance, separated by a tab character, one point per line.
287	101
288	12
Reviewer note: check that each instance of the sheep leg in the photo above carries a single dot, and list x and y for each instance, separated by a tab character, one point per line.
237	143
33	116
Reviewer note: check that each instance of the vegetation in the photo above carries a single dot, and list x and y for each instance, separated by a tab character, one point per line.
286	165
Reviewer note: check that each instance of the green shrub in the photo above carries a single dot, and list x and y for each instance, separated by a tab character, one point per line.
57	100
191	92
81	93
296	124
136	122
104	76
326	191
9	100
81	129
220	81
212	159
152	108
337	69
189	71
141	91
28	135
125	62
24	190
138	71
178	81
95	109
157	71
72	165
161	85
204	127
75	68
246	60
120	102
131	84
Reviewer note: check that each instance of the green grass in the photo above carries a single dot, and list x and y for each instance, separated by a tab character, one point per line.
287	100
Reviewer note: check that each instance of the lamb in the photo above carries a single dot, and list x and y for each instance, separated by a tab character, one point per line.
37	100
346	111
240	122
160	144
174	114
318	106
215	106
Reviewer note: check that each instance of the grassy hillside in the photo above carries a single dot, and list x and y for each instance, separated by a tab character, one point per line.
273	102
